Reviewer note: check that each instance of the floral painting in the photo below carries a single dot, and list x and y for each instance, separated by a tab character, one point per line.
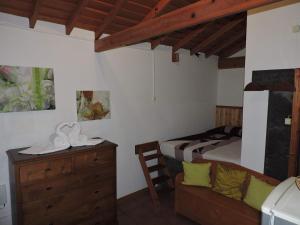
26	89
93	105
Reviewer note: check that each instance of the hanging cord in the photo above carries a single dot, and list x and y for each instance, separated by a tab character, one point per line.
153	76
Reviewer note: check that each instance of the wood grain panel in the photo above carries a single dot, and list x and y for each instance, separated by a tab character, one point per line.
45	169
229	116
294	144
231	63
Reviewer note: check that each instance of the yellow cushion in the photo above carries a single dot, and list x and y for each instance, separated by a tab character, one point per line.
196	174
257	193
229	182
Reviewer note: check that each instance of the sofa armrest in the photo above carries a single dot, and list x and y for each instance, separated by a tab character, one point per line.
179	179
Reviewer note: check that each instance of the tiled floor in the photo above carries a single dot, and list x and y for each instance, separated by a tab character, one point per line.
138	210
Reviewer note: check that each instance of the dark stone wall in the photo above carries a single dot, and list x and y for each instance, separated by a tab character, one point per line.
278	134
267	77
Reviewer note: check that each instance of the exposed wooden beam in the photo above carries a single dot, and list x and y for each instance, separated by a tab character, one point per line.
226	43
156	42
229	26
191	15
233	49
175	57
230	63
157	9
109	18
294	142
189	37
35	12
75	15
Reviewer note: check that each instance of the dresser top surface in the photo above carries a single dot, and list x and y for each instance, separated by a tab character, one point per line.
15	157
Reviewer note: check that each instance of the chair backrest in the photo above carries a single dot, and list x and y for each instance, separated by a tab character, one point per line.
147	147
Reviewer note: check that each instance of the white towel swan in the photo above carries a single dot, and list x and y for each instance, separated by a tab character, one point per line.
60	140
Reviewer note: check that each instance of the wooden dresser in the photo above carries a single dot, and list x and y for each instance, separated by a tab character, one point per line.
71	187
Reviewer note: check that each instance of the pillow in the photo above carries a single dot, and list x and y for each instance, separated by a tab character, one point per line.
228	129
217	130
236	131
229	182
257	193
196	174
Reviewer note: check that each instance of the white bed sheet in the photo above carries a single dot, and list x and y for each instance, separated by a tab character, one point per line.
228	153
167	147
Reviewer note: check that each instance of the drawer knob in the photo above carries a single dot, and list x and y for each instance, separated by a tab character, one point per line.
95	159
96	192
47	169
48	188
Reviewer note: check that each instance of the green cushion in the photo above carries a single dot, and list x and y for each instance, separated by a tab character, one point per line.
229	182
257	193
196	174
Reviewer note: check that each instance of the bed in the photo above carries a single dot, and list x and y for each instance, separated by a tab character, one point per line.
222	143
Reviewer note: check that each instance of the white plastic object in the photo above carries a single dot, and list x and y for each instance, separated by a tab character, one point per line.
288	121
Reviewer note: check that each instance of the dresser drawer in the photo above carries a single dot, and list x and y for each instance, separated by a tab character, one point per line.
96	220
69	201
72	211
48	188
96	175
101	158
57	185
45	169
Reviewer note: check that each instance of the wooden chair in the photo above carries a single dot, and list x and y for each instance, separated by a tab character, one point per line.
164	174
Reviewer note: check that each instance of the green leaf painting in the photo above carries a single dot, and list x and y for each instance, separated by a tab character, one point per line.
26	89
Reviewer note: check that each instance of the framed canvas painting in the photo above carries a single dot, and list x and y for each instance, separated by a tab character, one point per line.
26	89
93	105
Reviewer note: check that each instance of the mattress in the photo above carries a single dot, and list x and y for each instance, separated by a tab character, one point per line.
228	153
213	146
172	148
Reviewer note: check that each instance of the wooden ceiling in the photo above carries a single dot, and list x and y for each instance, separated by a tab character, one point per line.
223	36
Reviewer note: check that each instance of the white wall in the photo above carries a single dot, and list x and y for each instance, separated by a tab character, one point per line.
231	85
271	44
185	92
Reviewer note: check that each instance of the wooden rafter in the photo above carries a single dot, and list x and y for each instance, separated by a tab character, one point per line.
157	41
230	63
189	37
231	50
175	57
157	9
109	18
229	26
226	43
75	15
34	15
191	15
